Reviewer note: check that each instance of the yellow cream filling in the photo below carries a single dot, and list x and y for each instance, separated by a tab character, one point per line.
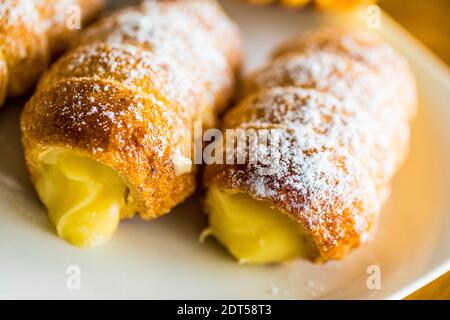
83	197
252	230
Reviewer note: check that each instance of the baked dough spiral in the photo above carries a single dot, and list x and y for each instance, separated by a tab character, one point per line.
127	96
341	101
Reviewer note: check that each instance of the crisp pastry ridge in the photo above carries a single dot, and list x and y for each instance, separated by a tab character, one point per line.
128	92
342	101
31	33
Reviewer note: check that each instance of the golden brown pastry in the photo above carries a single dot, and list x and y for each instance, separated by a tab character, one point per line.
108	132
339	103
31	31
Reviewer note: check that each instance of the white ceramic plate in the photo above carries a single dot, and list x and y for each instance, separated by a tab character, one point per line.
164	260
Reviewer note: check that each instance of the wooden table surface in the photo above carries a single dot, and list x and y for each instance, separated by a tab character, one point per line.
436	290
428	20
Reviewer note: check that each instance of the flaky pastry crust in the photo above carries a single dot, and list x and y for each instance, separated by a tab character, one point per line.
342	102
31	33
129	92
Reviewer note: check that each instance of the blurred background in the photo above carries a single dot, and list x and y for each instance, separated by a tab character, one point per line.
428	20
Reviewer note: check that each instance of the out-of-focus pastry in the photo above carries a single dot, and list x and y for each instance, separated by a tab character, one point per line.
108	132
336	105
31	32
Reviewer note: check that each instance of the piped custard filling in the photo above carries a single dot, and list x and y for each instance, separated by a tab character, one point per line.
253	231
83	197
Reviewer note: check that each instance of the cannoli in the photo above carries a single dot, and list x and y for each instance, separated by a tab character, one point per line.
108	132
34	31
339	102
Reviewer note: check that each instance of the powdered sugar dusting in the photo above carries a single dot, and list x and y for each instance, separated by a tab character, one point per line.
322	152
20	12
167	51
175	34
340	102
356	84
